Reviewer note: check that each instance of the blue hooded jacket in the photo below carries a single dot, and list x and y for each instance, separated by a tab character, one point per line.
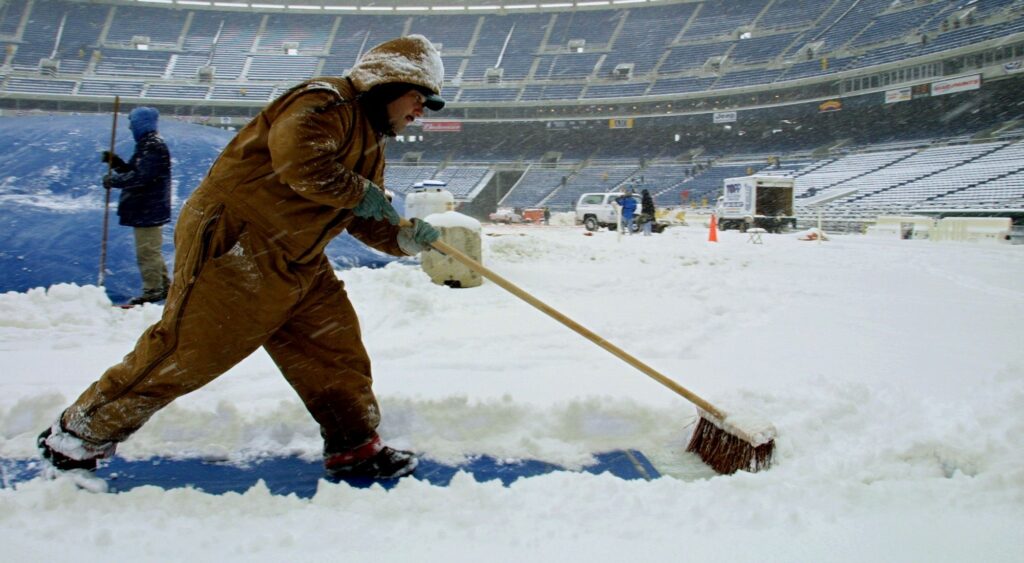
628	203
145	180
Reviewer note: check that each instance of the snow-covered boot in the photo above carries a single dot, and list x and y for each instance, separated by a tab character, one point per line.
67	452
149	297
372	460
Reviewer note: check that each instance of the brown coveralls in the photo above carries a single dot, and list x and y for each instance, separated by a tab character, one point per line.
250	271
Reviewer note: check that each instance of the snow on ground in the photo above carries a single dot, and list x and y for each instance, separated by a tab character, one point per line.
893	371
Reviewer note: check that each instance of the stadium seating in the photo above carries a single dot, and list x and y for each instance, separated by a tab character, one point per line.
453	32
132	64
276	67
108	88
40	86
536	184
789	14
461	181
838	172
177	92
593	178
401	178
588	57
131	21
722	17
667	47
971	181
309	33
885	185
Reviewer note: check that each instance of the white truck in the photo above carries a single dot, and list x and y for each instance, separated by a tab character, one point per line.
764	202
596	210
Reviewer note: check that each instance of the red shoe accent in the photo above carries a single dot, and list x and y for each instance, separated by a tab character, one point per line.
366	451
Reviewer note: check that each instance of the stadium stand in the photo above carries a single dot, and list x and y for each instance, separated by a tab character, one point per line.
760	49
134	64
722	17
669	67
39	85
275	67
12	13
969	182
885	183
846	169
177	92
552	92
107	88
309	33
536	183
647	31
127	22
669	47
461	181
593	178
454	33
400	178
232	43
500	94
790	14
243	92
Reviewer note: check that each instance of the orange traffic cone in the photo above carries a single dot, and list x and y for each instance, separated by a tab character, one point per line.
713	231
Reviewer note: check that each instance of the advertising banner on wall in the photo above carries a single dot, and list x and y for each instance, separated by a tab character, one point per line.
725	117
958	84
624	123
442	126
898	95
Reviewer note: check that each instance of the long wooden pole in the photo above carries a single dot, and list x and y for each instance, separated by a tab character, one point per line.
106	201
479	268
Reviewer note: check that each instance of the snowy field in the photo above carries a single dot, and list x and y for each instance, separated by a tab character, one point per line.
893	371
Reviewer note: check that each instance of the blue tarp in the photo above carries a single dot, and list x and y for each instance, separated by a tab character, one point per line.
287	475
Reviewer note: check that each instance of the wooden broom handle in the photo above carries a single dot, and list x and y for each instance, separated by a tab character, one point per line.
479	268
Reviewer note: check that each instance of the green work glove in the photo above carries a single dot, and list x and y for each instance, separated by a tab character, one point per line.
417	238
375	205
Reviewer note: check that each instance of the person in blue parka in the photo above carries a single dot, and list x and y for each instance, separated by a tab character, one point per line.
628	205
145	201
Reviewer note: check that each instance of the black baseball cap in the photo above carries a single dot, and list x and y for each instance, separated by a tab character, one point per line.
432	101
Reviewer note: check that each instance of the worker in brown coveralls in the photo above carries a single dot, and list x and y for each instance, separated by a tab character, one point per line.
251	270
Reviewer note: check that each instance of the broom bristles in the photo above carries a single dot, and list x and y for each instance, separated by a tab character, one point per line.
727	452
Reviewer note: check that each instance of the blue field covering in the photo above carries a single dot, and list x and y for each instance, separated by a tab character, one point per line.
289	475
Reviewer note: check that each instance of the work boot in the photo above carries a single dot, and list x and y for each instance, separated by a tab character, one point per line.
372	460
66	452
149	297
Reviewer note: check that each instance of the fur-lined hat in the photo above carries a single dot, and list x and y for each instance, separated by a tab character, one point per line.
411	59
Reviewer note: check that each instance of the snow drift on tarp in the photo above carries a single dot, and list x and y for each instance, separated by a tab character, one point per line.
51	200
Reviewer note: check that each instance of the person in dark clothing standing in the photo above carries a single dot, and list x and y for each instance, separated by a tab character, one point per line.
646	212
145	201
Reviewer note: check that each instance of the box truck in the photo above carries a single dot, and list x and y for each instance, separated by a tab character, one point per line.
764	202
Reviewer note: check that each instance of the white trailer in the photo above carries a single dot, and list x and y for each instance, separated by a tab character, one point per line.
764	202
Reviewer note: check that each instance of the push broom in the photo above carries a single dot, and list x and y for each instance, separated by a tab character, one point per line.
726	443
